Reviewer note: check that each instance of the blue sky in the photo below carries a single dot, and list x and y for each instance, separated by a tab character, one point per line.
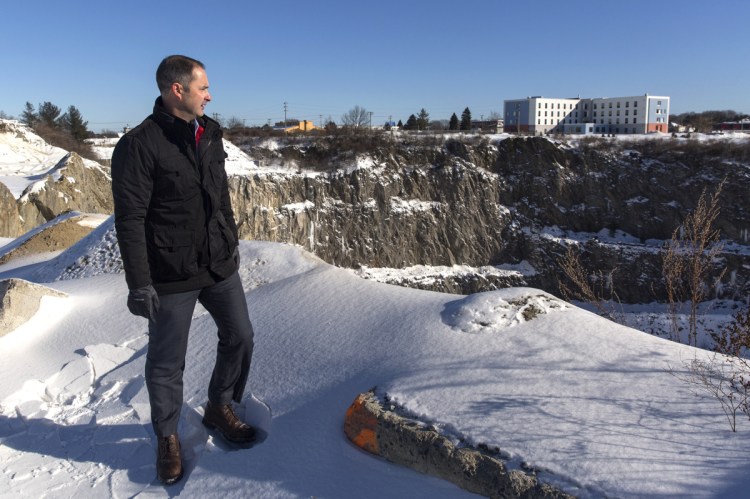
392	58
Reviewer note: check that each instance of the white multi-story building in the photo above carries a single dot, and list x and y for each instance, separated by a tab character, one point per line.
606	115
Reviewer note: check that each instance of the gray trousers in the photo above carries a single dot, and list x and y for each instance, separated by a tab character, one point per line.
167	345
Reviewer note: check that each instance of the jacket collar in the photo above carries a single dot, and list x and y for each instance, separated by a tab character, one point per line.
177	126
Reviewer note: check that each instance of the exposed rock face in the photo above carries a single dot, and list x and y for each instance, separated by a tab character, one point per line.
430	201
73	185
19	301
10	222
438	216
484	206
644	189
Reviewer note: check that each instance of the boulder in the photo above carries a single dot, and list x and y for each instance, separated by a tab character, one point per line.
420	447
19	301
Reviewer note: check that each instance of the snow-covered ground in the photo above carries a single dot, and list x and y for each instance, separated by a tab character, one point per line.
589	403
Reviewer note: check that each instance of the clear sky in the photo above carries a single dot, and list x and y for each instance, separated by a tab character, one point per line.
391	57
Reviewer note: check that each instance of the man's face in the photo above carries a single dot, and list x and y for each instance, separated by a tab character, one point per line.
194	98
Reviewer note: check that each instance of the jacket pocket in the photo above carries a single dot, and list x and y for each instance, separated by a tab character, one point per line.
176	257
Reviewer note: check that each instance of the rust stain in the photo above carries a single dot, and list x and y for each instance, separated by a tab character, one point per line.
360	426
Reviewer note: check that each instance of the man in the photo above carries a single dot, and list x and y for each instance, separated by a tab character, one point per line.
179	244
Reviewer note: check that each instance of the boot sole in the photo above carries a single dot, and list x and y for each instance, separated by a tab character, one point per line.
171	481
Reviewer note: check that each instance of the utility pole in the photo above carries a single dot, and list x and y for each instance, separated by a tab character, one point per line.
370	120
285	104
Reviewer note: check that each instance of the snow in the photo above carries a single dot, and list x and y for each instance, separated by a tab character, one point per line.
587	402
594	407
25	158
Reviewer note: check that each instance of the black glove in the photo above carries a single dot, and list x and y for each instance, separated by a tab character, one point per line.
236	256
143	302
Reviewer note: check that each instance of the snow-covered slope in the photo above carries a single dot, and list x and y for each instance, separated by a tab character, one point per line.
589	403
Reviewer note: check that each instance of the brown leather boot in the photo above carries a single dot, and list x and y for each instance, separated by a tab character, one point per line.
168	461
223	419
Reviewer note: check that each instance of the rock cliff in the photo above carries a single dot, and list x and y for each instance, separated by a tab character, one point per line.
383	201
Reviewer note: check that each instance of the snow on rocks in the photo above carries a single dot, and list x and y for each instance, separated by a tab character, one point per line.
19	301
493	312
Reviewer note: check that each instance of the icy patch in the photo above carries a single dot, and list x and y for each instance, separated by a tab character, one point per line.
493	311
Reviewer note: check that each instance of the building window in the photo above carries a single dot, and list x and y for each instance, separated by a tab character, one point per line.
626	121
635	103
635	111
627	103
634	121
626	112
618	104
610	105
618	112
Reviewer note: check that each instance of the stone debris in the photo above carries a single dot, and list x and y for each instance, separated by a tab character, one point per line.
409	443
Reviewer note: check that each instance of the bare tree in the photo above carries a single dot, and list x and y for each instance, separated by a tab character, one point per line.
588	288
234	122
726	374
687	261
356	117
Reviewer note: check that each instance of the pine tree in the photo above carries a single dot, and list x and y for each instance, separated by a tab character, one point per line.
73	123
453	124
29	116
400	125
411	123
49	114
466	120
423	120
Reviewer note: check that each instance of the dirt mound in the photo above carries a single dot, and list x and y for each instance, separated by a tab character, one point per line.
56	237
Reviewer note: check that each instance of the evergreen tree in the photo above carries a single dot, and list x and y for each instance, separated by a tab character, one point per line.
49	114
411	123
453	124
73	123
423	120
466	120
400	124
29	116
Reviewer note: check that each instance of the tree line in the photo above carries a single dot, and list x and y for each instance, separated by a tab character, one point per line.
65	130
707	120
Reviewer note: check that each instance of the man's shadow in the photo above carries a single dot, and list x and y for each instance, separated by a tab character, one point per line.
126	447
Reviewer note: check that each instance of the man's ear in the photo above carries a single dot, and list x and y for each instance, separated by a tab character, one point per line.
177	90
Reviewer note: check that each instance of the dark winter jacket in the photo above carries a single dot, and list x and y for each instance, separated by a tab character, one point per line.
173	216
